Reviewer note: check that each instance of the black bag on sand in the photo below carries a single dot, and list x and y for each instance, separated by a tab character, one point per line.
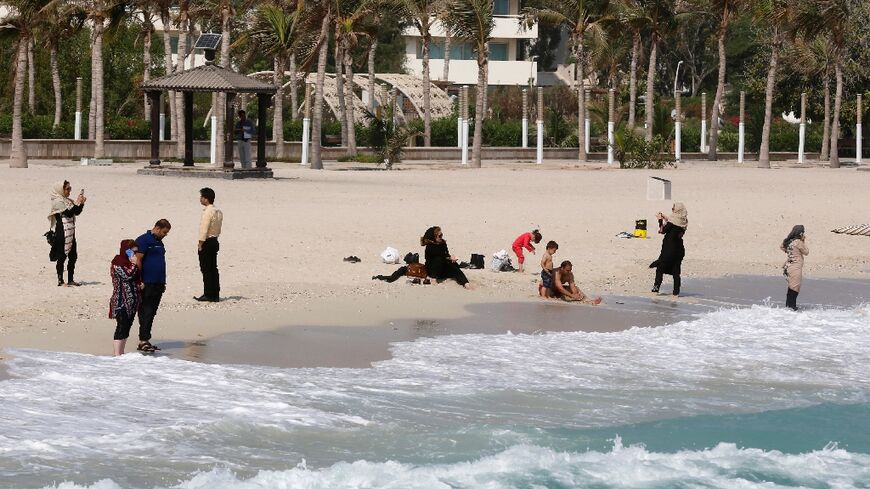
476	261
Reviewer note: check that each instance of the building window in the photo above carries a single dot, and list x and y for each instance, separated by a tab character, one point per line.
498	51
458	50
501	7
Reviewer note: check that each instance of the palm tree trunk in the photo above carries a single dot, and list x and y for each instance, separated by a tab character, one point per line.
148	29
427	92
167	61
446	75
838	103
18	154
826	134
717	100
349	99
221	111
580	83
31	79
278	112
764	150
371	82
179	96
317	108
650	82
294	92
482	68
99	106
93	99
55	83
632	80
339	87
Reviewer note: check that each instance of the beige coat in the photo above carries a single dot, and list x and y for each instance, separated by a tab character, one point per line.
794	263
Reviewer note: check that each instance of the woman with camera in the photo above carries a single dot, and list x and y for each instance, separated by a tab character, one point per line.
62	218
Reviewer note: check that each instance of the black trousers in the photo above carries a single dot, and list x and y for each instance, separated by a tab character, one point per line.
660	276
392	278
151	295
123	323
211	280
70	263
791	299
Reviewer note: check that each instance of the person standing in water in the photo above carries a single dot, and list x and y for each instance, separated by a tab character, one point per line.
151	256
62	219
795	248
126	293
671	257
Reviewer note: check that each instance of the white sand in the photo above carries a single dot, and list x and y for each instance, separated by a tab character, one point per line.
283	240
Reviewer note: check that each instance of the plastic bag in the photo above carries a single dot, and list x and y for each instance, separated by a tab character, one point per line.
500	261
390	255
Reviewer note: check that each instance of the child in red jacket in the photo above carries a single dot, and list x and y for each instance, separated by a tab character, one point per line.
525	241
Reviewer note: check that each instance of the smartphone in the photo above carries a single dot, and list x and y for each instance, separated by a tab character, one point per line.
130	253
82	192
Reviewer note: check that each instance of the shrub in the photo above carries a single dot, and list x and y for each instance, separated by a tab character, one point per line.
633	151
728	141
690	136
136	129
502	133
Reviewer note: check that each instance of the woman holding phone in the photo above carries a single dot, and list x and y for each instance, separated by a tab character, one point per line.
795	247
126	293
62	219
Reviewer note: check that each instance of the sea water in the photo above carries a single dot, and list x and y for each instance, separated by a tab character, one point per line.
756	397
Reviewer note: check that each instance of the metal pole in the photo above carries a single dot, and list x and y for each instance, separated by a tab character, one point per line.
78	126
611	124
858	132
540	126
704	122
465	125
802	132
741	134
525	141
587	123
306	122
678	150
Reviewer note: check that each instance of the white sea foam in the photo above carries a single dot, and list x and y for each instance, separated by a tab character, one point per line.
441	399
724	466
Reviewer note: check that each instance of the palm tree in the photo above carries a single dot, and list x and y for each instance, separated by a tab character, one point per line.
812	58
56	27
321	11
659	19
20	19
422	12
830	17
349	17
775	15
582	18
471	20
724	11
631	15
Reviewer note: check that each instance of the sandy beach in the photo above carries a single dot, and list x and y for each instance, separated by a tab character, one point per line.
283	242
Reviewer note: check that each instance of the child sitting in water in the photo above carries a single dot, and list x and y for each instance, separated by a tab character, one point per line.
525	241
547	269
566	289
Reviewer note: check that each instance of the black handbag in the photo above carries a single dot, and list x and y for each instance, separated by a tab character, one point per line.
476	261
49	237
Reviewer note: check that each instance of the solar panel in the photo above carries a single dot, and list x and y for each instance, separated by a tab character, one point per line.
208	41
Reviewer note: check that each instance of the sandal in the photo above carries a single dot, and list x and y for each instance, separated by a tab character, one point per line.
147	347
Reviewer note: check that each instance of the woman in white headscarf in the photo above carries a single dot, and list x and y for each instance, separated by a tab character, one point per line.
671	258
62	219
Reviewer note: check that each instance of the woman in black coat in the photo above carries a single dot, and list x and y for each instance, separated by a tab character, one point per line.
62	219
671	258
440	265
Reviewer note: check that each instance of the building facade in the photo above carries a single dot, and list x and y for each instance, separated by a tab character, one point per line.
508	53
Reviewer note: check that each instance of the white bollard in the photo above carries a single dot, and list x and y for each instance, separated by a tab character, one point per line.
587	124
539	157
802	137
78	128
525	132
459	132
213	145
703	135
678	147
858	131
611	124
610	142
464	142
740	142
306	123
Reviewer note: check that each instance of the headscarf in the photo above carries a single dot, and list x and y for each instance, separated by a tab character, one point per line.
429	236
795	233
121	258
679	216
59	201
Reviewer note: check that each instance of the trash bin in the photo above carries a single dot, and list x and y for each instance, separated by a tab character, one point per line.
658	189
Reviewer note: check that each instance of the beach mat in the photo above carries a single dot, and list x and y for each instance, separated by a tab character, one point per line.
856	230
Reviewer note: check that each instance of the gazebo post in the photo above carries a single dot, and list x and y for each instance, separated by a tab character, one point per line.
262	108
229	130
188	128
154	97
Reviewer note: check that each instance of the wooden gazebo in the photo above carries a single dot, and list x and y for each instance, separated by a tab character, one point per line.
208	78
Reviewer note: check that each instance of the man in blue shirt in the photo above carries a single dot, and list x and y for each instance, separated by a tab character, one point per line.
245	131
152	256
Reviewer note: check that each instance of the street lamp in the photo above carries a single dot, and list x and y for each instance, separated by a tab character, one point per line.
677	75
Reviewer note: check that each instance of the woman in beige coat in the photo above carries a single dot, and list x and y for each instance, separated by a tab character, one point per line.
795	248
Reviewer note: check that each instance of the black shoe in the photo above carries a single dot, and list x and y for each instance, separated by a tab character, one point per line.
60	282
205	298
352	259
655	289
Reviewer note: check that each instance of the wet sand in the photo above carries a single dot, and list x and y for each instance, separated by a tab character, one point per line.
360	345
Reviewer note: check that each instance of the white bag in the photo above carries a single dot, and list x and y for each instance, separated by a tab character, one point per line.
499	259
390	255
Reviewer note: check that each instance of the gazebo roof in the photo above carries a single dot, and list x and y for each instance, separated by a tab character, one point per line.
208	78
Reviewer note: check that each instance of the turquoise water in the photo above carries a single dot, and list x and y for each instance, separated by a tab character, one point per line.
758	397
